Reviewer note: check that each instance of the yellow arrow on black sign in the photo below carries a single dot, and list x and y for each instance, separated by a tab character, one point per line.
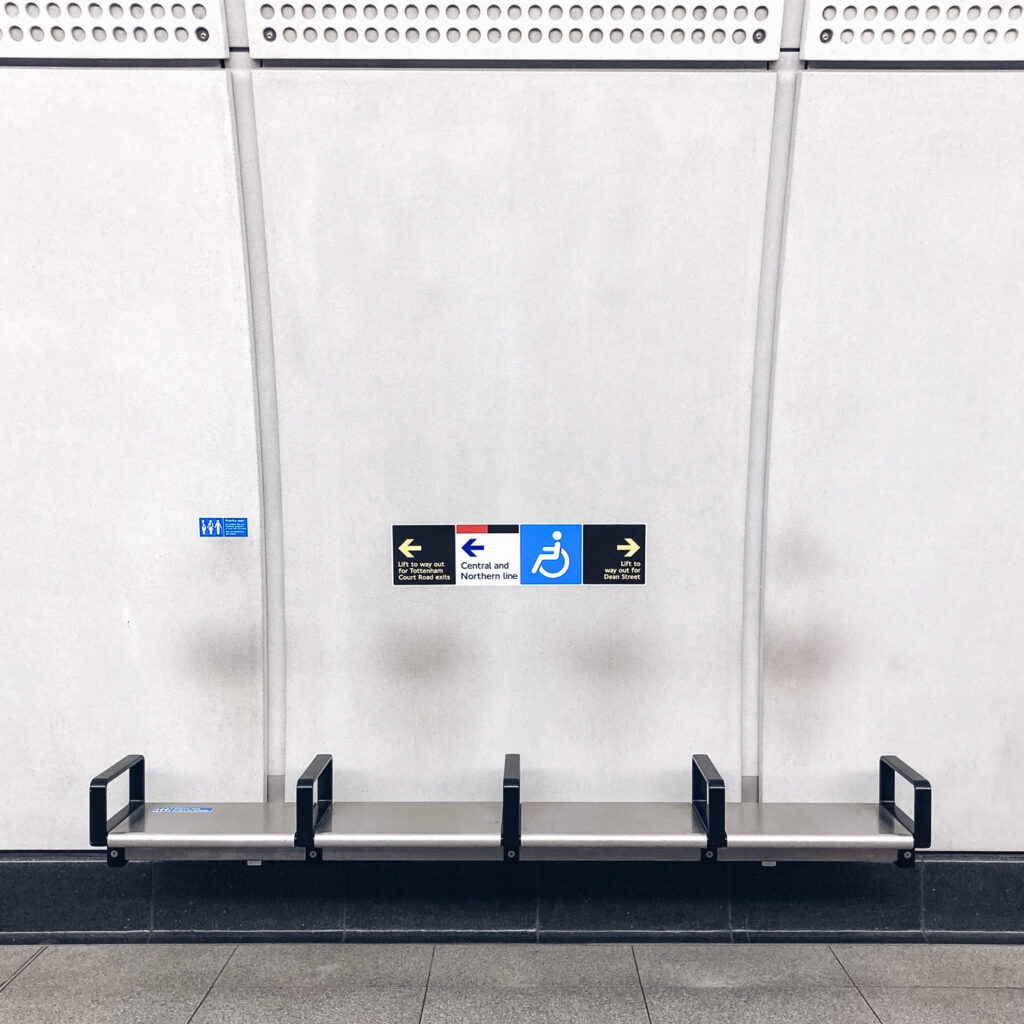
630	547
407	547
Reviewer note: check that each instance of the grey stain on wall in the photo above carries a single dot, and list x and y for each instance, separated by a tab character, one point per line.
804	655
611	654
420	655
798	556
224	656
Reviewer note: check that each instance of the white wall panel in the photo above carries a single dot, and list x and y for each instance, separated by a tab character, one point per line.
126	412
514	296
895	555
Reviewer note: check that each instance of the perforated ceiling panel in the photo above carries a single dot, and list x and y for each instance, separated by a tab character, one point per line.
527	32
917	32
112	31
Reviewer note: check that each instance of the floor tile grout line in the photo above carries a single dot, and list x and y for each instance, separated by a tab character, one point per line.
950	988
426	988
854	984
234	950
31	960
640	982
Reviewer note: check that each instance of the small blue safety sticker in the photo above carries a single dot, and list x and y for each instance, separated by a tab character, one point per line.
223	526
183	810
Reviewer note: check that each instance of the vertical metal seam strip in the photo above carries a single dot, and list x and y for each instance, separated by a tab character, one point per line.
773	242
239	70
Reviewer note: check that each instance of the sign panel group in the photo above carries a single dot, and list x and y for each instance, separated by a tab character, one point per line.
534	554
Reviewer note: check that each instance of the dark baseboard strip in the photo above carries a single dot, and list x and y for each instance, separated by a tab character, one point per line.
989	938
437	935
53	898
54	938
638	935
836	936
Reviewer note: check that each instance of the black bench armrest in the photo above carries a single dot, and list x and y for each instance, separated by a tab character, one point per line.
511	808
320	776
709	799
920	826
99	824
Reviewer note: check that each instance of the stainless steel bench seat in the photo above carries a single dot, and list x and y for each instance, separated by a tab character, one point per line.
773	832
215	831
612	831
410	831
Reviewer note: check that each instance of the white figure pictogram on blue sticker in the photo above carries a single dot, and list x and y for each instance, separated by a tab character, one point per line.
557	554
553	552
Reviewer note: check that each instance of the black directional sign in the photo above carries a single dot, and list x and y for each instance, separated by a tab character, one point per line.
423	555
614	554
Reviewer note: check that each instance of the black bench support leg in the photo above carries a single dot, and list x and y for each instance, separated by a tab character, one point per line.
100	825
511	811
708	797
308	812
920	826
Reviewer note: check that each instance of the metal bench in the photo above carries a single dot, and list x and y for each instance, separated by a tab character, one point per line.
186	831
843	832
631	831
344	830
316	828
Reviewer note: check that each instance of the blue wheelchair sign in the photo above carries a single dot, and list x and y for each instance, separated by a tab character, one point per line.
551	554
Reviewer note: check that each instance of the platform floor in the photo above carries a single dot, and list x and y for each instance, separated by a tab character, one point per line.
595	984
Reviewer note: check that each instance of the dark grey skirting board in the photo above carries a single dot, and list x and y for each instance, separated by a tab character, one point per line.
75	897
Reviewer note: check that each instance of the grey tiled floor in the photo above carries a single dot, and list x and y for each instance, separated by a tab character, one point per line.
492	984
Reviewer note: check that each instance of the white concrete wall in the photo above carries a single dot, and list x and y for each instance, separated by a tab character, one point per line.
895	564
510	296
126	412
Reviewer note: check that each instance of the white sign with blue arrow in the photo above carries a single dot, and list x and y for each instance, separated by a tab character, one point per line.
487	556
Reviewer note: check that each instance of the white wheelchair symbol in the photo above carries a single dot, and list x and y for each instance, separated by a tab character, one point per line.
554	553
